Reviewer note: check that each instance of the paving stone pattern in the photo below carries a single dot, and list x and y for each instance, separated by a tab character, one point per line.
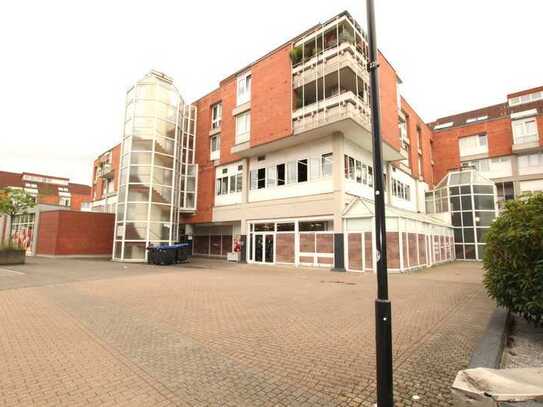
78	333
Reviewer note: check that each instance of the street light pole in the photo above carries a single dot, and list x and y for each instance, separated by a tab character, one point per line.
383	322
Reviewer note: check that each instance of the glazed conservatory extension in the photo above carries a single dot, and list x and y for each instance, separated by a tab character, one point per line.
470	199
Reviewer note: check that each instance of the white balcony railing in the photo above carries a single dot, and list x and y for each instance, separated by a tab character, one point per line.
329	61
329	110
525	139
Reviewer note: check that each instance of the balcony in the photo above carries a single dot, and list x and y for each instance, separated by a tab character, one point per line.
106	171
345	113
526	143
329	61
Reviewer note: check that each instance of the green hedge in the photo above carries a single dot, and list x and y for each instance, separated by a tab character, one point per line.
514	258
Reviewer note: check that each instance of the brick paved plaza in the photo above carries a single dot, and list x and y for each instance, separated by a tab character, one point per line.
80	332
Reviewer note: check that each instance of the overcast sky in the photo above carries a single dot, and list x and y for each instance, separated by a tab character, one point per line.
66	65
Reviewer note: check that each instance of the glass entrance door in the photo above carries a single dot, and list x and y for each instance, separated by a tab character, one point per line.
264	248
258	248
268	246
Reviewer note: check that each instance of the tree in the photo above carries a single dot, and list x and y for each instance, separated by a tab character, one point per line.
513	258
15	201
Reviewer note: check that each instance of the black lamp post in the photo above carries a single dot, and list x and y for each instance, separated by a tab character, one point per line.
383	323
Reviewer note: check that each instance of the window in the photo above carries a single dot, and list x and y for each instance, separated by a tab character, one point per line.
261	180
271	177
476	119
443	125
358	171
215	147
216	115
291	172
239	180
473	145
525	131
243	127
244	89
229	181
280	174
531	97
506	191
404	139
400	190
327	162
302	170
530	160
64	201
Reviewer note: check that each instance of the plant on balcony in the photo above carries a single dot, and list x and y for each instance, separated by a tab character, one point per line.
513	258
296	55
346	36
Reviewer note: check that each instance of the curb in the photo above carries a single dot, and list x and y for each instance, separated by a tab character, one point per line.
489	351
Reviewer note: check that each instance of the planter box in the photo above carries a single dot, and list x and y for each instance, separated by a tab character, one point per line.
12	257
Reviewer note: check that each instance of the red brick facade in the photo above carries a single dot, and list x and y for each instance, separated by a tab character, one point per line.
388	80
271	100
47	192
75	233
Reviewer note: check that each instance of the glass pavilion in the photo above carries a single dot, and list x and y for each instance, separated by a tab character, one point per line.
158	174
471	200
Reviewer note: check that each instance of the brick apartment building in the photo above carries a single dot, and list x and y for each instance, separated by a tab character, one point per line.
502	141
278	158
51	194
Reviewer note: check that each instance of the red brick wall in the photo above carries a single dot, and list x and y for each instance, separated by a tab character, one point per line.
422	249
354	241
412	251
325	243
75	233
285	247
414	120
393	250
271	98
389	102
368	246
307	242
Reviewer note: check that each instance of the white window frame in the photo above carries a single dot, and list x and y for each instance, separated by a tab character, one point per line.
243	127
522	133
327	164
473	145
243	88
216	115
215	151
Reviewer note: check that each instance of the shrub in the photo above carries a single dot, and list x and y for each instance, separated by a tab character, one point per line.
10	245
513	258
